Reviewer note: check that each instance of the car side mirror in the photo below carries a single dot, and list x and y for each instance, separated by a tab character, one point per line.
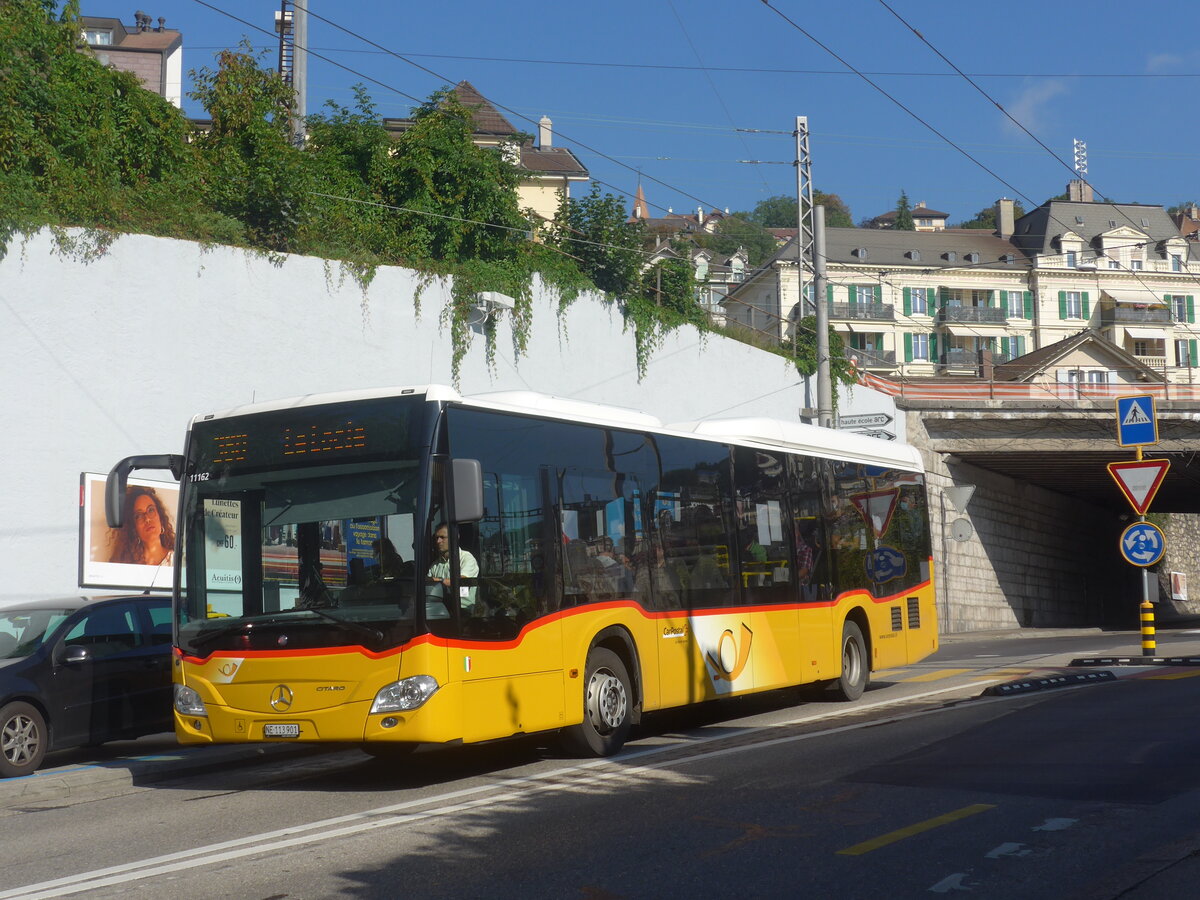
75	655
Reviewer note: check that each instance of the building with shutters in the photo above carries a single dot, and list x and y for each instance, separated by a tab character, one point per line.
956	303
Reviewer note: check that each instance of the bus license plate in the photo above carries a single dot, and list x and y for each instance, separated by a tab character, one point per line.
281	731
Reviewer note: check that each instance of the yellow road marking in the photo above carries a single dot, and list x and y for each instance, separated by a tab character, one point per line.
936	676
1171	676
927	825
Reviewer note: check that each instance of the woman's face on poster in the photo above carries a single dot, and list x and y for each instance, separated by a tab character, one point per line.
145	519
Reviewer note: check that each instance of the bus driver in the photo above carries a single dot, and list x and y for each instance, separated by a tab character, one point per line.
439	571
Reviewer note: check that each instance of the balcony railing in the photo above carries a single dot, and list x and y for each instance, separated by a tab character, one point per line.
873	312
956	358
872	359
974	315
1120	315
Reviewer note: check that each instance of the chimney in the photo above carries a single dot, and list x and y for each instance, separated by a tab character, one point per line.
1005	218
545	132
1079	191
987	368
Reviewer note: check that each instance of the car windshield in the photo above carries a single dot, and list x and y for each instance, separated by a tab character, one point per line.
23	630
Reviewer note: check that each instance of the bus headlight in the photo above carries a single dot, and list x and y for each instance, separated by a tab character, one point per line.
408	693
188	702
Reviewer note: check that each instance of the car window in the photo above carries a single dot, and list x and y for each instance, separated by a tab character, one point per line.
23	630
160	623
106	630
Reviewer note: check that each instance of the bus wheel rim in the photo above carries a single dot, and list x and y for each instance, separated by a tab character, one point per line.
851	663
607	701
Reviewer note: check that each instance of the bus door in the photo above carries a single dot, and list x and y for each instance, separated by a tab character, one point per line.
490	592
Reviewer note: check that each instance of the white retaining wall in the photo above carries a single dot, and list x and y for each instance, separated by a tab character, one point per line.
105	358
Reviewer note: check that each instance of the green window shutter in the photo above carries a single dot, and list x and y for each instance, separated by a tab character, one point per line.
1029	305
991	298
829	293
908	307
1167	299
1192	352
1087	313
1062	304
933	348
1004	343
907	344
1019	350
879	293
1191	309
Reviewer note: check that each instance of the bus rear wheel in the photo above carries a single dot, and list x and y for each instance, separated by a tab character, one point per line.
855	671
607	707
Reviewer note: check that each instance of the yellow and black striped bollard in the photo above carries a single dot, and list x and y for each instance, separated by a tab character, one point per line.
1148	645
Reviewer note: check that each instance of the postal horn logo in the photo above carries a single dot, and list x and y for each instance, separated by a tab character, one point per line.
731	655
281	698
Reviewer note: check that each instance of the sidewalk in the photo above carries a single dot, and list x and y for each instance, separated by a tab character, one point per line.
163	759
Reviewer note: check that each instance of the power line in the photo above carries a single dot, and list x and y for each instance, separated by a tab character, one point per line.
752	70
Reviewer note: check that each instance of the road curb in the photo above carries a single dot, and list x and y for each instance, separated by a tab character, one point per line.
86	779
1028	685
1091	661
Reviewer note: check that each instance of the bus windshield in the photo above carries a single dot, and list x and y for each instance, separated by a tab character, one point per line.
298	529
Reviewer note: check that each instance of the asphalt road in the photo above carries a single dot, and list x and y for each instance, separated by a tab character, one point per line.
922	787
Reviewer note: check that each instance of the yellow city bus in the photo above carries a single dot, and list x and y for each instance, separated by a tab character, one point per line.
593	565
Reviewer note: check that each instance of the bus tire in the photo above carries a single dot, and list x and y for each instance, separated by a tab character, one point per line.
607	707
852	682
23	739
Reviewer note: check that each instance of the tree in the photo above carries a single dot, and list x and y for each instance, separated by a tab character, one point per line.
780	211
252	172
80	143
1185	207
802	348
734	232
986	217
904	217
457	201
606	247
837	213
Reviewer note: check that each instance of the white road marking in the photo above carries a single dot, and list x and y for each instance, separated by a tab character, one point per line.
1055	825
462	800
955	882
1008	849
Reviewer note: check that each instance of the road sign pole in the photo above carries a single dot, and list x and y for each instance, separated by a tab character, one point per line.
1148	642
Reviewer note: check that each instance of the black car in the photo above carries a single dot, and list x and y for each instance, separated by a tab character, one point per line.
80	671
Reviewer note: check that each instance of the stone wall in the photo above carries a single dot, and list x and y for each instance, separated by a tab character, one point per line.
1183	555
1034	558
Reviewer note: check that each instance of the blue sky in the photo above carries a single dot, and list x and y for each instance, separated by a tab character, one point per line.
669	88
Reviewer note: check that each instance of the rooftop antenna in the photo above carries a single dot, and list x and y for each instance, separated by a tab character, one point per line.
1080	158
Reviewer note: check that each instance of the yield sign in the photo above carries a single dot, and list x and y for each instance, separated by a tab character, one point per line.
1139	480
876	508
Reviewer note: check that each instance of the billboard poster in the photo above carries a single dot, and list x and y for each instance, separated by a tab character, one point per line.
137	556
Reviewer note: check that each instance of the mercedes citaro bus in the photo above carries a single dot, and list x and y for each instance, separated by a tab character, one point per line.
593	564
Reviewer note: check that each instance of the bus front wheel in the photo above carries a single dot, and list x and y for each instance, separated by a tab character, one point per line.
607	707
853	680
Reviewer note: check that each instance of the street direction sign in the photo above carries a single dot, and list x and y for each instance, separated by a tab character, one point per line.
1136	422
866	420
1143	544
1139	480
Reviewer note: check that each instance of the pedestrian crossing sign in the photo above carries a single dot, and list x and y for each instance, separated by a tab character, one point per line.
1136	421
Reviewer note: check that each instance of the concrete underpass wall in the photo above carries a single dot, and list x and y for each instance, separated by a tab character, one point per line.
1035	558
1182	532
